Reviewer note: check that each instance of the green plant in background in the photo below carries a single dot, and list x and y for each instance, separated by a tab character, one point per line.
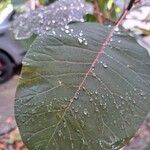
108	9
4	3
65	102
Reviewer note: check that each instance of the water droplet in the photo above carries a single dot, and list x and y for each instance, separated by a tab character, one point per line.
94	74
65	99
115	121
100	143
121	97
85	111
82	123
128	66
53	21
76	110
65	125
62	29
96	109
66	27
96	92
66	31
85	43
80	40
59	133
54	33
111	39
116	29
81	33
142	93
91	99
102	96
47	28
133	101
83	141
72	145
76	96
71	100
105	65
40	15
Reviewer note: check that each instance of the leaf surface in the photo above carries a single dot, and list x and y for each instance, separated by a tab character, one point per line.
111	104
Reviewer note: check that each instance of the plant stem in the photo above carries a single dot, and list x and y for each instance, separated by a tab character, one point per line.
97	12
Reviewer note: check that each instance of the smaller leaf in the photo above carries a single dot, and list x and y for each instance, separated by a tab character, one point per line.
47	18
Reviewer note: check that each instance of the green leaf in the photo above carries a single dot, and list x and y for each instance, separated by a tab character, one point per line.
26	43
111	104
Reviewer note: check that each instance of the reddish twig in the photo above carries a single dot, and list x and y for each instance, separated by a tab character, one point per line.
97	12
102	49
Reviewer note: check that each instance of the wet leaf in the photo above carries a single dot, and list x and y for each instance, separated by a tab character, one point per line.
47	18
109	107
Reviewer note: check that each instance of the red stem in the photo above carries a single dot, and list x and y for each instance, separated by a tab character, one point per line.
100	52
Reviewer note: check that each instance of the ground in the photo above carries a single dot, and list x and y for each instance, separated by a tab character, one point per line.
9	134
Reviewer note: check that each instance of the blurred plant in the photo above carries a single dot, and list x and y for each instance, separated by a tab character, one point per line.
4	3
108	9
138	21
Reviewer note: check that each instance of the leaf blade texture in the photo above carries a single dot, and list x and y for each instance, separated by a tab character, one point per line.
110	106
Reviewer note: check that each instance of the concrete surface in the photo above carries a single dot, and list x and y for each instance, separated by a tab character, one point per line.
7	96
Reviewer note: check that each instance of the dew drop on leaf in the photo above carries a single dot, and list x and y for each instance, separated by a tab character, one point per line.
72	145
96	109
66	31
142	93
85	111
66	27
65	125
76	110
80	40
85	43
83	141
59	133
105	65
116	29
121	97
100	143
91	99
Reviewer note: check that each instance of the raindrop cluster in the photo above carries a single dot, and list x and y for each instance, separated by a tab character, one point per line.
48	18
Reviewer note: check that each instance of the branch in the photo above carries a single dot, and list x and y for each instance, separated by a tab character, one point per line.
97	12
